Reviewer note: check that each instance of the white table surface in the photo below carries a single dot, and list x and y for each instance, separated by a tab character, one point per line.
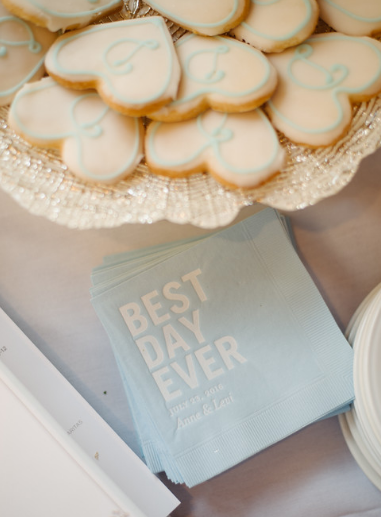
44	287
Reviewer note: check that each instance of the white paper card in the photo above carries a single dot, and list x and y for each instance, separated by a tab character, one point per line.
71	411
43	472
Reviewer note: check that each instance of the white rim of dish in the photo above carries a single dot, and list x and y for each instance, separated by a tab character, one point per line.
356	452
358	315
365	376
360	330
365	445
365	451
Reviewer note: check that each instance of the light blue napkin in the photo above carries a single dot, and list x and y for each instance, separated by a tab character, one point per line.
224	348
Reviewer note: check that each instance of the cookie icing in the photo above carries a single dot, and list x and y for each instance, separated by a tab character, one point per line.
239	149
351	16
207	17
58	14
132	63
220	73
22	53
96	143
273	25
318	81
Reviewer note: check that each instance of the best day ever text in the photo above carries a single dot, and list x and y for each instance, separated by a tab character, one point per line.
138	318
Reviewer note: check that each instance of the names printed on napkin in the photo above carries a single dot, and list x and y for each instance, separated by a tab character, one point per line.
181	337
209	401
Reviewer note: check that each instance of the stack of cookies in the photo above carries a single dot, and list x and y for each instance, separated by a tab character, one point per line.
215	101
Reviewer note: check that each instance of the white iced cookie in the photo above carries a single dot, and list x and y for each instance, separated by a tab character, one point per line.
62	14
219	73
318	82
96	143
238	149
22	52
353	17
273	25
207	17
132	63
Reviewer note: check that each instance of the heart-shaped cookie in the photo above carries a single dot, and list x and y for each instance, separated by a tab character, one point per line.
22	52
96	142
275	25
221	73
132	63
62	14
318	82
352	17
208	17
238	149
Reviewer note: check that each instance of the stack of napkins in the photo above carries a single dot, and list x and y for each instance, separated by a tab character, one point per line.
362	425
224	344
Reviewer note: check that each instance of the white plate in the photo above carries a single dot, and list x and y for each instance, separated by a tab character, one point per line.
367	369
355	446
361	426
359	313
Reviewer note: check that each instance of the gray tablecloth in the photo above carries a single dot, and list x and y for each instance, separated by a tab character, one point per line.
44	287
